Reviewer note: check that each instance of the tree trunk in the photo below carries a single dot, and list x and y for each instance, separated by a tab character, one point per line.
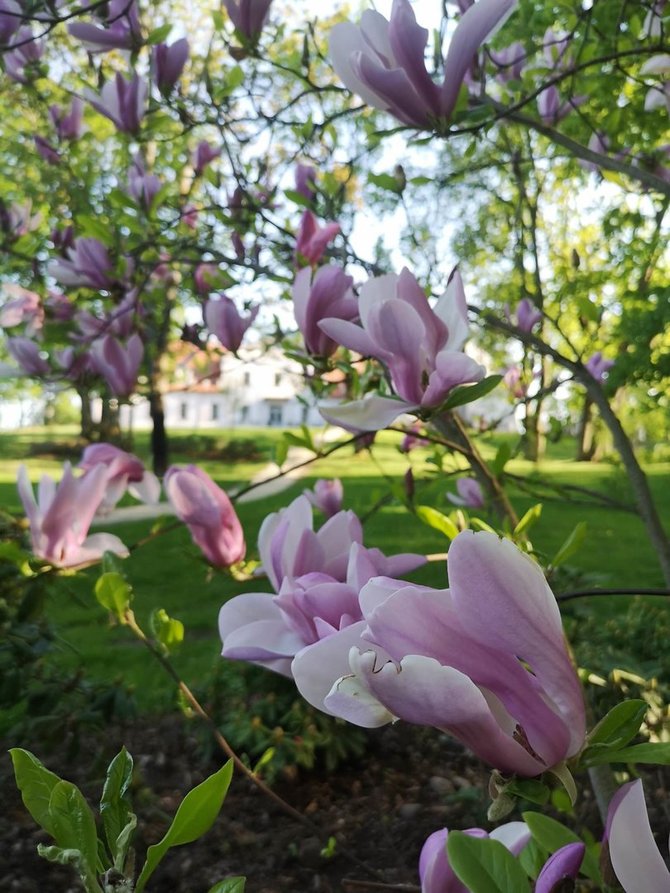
109	429
586	435
159	440
87	427
451	427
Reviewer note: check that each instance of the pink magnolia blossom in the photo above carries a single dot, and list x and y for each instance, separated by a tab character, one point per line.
412	439
68	124
224	320
317	575
118	363
167	64
22	60
190	215
317	296
142	187
509	61
550	107
203	155
527	315
383	61
512	379
27	354
485	660
23	308
312	239
125	472
435	872
10	21
122	101
636	860
18	219
248	16
45	150
86	264
61	516
305	180
208	513
121	29
469	494
598	366
326	496
658	96
561	866
419	345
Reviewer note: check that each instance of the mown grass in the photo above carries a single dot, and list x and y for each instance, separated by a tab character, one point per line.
168	571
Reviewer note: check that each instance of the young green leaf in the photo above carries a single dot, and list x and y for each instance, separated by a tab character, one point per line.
36	783
114	593
551	836
115	809
166	629
620	725
434	518
571	545
531	516
484	865
230	885
658	754
467	393
195	816
73	827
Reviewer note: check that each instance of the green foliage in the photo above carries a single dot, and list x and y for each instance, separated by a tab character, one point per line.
484	865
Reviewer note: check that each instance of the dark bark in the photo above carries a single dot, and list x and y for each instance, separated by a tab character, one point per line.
159	439
86	425
586	435
109	428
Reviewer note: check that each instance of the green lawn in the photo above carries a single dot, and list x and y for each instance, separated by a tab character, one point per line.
168	571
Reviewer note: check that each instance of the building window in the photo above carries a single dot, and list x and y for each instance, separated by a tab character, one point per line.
247	379
183	411
276	414
277	379
215	412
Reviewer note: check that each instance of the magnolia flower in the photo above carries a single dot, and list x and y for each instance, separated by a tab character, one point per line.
120	321
208	514
317	575
27	354
45	150
305	181
202	156
167	63
28	51
469	494
121	31
550	107
61	516
484	660
142	187
18	219
206	277
513	381
383	61
224	320
324	294
653	23
419	345
312	239
598	366
68	124
635	858
326	496
412	439
122	101
527	315
509	61
86	264
248	16
561	866
124	472
659	95
118	363
23	307
435	872
11	16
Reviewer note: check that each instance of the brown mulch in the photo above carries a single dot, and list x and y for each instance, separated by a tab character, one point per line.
409	783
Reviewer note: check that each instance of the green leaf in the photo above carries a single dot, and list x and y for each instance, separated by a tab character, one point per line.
620	725
158	35
230	885
386	181
60	855
434	518
502	457
166	629
571	545
73	826
114	593
298	198
281	452
551	836
658	754
195	816
115	809
529	789
468	393
87	225
478	524
531	516
36	784
485	865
